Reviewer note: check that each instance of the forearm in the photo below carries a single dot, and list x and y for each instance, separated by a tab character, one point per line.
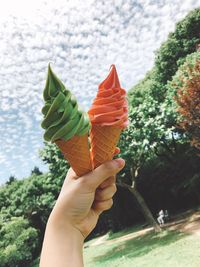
62	247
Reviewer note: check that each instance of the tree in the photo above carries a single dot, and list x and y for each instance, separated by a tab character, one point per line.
33	198
11	179
136	149
172	54
180	43
153	108
36	171
52	156
18	242
153	130
188	98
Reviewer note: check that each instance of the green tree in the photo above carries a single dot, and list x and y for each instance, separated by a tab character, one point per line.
32	198
36	171
180	43
52	156
11	179
136	150
18	243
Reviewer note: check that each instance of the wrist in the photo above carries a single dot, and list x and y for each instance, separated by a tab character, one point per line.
62	246
65	228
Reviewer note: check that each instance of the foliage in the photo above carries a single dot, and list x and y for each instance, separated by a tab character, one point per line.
188	97
154	137
149	86
32	198
180	43
153	129
11	179
134	143
171	183
52	156
36	171
18	242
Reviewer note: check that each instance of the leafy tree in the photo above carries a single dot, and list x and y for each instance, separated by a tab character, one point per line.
172	53
52	156
153	127
152	106
11	179
182	82
36	171
180	43
32	198
18	242
136	150
188	97
7	193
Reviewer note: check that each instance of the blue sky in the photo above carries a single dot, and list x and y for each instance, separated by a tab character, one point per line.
82	39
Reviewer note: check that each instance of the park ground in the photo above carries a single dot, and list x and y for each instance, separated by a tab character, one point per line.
178	245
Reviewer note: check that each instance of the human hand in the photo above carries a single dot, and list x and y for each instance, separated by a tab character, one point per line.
83	199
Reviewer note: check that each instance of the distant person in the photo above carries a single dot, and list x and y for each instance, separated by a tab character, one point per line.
160	218
76	213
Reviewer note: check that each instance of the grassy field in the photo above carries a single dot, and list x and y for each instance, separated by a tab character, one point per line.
176	246
167	249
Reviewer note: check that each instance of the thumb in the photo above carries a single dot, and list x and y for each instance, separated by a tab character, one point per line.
101	173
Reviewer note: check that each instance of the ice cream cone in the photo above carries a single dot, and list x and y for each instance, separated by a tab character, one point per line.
65	124
104	140
109	116
76	152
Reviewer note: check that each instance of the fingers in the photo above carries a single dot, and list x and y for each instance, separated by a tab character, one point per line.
72	174
117	151
101	206
103	199
100	174
107	182
111	179
105	194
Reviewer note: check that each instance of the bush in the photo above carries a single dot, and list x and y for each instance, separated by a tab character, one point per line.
18	243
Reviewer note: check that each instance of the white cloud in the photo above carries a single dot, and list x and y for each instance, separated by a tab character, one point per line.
82	38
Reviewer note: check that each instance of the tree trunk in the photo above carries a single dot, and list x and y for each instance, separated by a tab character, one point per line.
144	208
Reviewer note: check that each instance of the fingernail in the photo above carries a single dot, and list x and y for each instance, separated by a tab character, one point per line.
120	162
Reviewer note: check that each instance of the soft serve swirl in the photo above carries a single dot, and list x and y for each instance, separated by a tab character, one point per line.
110	107
62	118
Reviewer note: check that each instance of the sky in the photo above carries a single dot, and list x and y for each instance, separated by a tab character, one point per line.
81	39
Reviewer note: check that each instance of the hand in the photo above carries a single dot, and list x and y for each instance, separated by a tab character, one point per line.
83	199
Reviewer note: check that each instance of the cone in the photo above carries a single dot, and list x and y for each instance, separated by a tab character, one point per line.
103	140
76	152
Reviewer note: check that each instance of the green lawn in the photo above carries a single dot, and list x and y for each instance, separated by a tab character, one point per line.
126	231
167	249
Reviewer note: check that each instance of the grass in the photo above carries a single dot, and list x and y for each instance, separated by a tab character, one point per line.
126	231
169	248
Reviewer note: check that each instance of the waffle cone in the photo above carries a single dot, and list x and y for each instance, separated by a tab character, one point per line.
76	152
103	140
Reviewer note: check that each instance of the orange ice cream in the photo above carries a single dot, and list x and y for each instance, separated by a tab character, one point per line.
110	107
109	116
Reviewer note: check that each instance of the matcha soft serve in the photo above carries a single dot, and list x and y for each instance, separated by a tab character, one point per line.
62	118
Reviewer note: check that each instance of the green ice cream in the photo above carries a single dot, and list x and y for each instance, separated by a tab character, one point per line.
62	118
